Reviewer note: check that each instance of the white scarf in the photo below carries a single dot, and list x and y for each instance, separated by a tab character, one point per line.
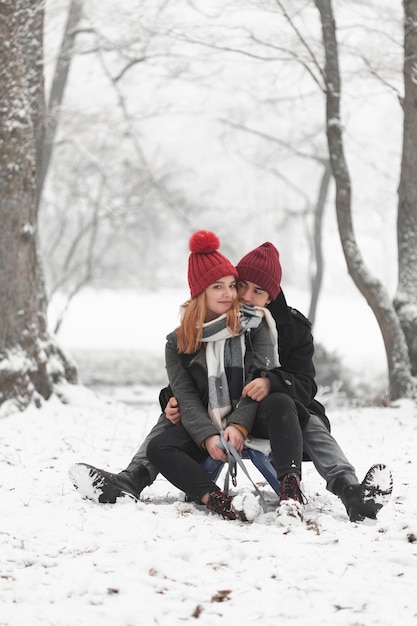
225	357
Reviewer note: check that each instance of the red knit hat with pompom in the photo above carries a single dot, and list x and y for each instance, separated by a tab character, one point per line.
206	264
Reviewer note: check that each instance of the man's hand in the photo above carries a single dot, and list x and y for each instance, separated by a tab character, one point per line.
172	411
257	389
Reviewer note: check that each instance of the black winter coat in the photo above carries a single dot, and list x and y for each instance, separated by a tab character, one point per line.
296	374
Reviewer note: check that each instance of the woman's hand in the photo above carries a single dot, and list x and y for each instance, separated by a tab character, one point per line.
235	436
257	389
216	453
172	411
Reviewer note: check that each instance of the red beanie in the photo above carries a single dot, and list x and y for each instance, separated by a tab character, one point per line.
205	263
262	266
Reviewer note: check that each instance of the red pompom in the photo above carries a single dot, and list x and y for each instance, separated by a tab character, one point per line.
204	241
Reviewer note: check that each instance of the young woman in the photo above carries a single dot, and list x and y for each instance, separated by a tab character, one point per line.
209	359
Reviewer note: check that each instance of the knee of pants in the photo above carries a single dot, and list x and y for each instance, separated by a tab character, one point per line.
278	404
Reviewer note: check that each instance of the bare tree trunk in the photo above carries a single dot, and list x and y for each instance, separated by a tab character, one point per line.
31	40
59	83
30	361
317	278
406	297
401	383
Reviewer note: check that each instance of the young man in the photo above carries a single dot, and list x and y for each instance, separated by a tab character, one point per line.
260	285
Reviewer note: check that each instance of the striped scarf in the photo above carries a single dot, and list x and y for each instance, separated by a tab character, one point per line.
225	357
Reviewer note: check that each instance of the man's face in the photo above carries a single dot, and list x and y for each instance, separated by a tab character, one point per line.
252	294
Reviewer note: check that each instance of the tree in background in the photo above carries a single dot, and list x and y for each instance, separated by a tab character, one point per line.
31	363
56	96
399	365
405	300
105	205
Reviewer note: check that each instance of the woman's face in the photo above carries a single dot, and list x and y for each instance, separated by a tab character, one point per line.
220	296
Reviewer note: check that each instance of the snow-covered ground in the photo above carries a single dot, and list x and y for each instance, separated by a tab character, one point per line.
67	561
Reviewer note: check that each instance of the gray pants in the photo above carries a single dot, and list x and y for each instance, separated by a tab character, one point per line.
140	457
327	456
321	447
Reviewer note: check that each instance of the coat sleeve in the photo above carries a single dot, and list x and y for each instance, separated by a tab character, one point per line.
259	355
194	415
296	374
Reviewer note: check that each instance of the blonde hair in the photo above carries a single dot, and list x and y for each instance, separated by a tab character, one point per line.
190	331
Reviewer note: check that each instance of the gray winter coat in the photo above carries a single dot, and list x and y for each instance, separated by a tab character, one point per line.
188	379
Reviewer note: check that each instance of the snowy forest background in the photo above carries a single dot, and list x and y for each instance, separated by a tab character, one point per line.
181	115
165	116
178	114
156	118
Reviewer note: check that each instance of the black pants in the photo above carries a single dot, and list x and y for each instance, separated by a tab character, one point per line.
176	456
179	458
277	420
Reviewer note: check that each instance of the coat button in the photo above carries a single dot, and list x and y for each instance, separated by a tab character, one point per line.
288	382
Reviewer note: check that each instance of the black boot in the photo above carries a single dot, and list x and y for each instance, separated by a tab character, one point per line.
105	487
365	499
